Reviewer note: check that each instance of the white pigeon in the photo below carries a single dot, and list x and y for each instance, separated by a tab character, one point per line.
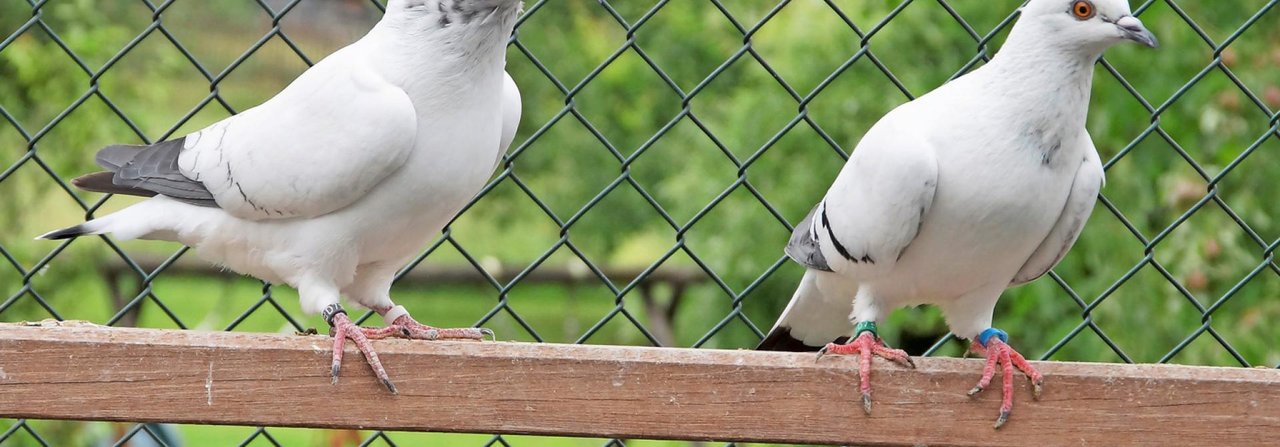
341	178
975	187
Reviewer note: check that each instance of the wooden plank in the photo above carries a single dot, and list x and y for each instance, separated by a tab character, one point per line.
86	372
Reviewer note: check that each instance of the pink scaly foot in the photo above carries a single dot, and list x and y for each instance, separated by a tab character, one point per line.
866	344
992	343
403	325
343	329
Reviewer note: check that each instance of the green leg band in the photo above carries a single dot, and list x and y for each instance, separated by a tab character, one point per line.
865	326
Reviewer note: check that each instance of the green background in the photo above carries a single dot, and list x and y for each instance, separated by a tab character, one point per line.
694	167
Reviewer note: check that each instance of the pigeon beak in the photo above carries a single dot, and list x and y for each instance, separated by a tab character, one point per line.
1133	30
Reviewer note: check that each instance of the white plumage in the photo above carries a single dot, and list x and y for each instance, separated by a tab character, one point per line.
953	215
979	185
342	177
349	170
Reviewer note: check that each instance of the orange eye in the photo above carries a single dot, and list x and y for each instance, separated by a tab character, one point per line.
1082	10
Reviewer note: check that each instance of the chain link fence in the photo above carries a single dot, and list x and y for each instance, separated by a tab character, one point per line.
666	150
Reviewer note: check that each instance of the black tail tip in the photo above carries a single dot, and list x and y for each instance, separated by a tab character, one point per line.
65	233
780	339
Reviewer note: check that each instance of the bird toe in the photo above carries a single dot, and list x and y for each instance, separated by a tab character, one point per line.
1004	417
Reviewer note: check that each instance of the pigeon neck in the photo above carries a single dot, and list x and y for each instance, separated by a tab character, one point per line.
1043	86
1042	70
443	62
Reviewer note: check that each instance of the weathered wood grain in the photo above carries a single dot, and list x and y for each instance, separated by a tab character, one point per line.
87	372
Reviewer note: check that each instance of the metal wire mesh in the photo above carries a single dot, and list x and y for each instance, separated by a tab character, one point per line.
686	98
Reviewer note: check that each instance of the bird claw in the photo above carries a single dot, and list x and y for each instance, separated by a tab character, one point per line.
342	330
407	327
821	352
1004	417
1002	357
867	345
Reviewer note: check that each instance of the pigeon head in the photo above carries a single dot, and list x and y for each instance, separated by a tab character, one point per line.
431	15
450	36
1090	25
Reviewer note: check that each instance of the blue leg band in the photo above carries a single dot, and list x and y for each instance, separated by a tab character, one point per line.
986	335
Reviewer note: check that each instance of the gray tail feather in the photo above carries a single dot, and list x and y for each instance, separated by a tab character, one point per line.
66	233
104	182
146	171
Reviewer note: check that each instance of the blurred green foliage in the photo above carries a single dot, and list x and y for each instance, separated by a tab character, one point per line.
719	124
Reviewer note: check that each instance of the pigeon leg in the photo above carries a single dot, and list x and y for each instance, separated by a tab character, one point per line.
342	329
403	325
993	344
866	344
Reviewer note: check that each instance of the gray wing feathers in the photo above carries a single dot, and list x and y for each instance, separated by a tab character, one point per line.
154	168
112	158
803	246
